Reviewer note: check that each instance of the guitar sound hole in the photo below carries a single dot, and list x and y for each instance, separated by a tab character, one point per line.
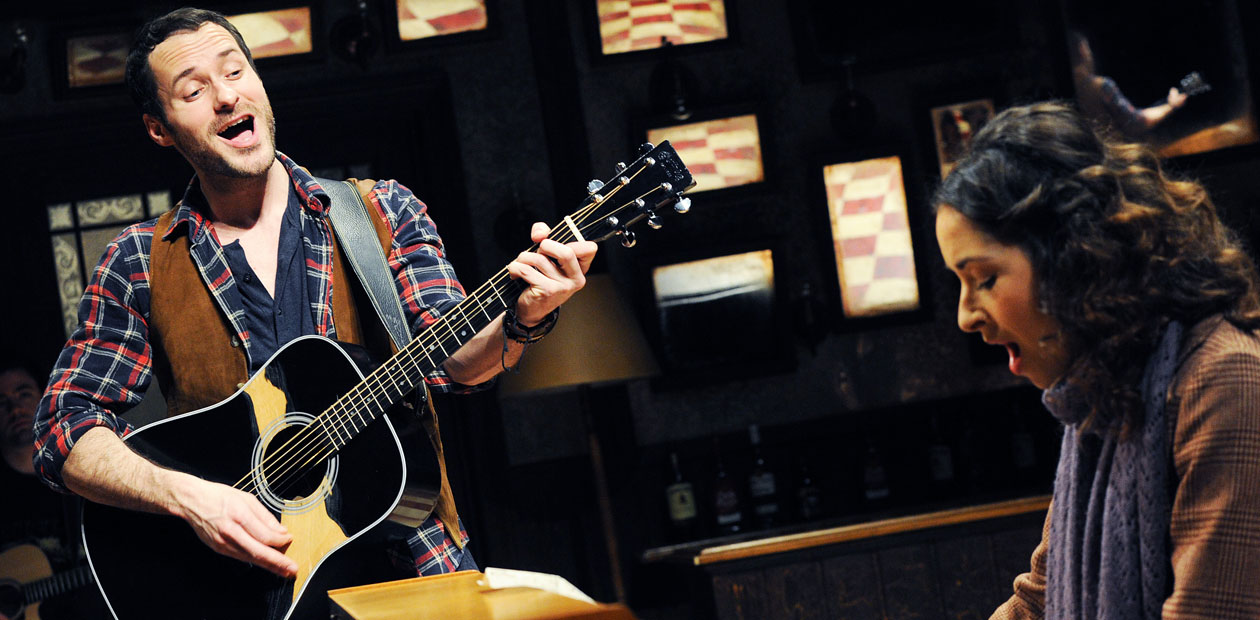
10	598
290	472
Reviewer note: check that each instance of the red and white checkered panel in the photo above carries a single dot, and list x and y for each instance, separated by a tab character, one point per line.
631	25
719	153
275	33
420	19
871	233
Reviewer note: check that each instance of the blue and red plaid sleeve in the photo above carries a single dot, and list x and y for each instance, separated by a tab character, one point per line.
106	366
426	281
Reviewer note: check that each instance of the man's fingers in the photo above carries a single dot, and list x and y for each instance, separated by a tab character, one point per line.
266	520
254	552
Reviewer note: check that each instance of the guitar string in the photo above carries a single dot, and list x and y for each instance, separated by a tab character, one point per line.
365	392
390	368
354	401
463	309
375	386
360	396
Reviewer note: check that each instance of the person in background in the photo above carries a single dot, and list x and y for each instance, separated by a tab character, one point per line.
1116	289
1102	100
34	521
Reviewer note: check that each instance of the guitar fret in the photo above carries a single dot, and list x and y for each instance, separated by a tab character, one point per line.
482	309
323	424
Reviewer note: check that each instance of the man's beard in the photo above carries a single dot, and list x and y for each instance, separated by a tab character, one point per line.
203	157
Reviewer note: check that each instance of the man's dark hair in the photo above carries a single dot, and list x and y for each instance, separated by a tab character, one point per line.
140	79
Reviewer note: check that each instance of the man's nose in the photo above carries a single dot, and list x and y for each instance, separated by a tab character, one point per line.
225	97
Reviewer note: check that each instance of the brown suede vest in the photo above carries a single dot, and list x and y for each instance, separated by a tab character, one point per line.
199	361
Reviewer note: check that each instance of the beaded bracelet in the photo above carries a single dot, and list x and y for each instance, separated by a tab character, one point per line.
514	331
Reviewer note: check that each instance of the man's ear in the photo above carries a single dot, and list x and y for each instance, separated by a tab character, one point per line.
157	131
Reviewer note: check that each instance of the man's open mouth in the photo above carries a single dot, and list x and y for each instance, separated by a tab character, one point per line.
233	131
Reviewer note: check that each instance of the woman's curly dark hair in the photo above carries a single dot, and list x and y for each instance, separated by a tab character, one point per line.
1118	248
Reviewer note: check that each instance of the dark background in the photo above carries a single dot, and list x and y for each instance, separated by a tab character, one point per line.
496	129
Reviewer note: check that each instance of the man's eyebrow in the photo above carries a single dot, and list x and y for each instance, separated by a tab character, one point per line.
186	72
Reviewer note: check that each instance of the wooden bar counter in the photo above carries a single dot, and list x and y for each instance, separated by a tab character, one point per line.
951	563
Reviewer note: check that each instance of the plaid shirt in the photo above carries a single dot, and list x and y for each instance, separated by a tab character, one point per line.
106	365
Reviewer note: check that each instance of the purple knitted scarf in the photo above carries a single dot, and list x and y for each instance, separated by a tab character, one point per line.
1108	554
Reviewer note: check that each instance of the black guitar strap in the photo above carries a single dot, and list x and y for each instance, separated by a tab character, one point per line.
354	230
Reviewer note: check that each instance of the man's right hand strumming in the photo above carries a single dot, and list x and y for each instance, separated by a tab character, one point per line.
232	522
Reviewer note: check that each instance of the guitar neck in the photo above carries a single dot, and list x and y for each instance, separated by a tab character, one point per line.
404	372
655	179
43	589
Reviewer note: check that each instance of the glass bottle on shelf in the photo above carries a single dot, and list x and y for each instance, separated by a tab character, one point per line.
728	515
1023	452
680	496
940	457
808	496
762	490
874	476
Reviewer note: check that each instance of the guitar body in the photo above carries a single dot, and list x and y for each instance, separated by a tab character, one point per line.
19	566
152	566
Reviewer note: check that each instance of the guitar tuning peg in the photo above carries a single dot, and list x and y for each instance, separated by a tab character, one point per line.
654	222
621	166
683	205
594	185
646	148
627	237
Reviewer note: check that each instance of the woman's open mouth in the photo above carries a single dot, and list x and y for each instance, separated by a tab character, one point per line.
1015	362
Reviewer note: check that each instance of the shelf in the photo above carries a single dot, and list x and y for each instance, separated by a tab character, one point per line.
705	552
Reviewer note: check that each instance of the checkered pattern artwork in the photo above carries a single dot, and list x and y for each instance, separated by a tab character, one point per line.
719	153
871	236
275	33
632	25
96	60
421	19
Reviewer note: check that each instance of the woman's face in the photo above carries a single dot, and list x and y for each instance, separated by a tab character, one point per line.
999	299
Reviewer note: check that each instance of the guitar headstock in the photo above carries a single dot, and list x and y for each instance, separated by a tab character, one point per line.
636	192
1194	84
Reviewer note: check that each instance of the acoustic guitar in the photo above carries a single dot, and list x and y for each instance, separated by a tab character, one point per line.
307	436
27	579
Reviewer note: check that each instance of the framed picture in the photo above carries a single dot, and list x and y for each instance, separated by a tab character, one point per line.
411	23
871	246
90	60
629	27
722	149
1176	77
953	126
715	313
278	33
